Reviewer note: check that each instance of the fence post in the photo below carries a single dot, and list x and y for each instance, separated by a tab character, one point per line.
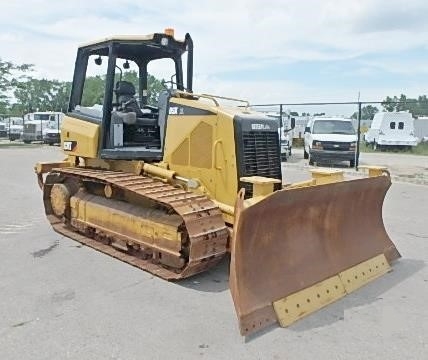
357	154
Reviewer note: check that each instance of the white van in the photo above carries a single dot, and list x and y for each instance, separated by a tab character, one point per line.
330	139
391	129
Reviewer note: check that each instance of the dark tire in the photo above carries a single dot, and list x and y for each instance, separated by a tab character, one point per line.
305	154
311	162
27	141
351	163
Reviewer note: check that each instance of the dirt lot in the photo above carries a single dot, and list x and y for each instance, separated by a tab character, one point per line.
59	300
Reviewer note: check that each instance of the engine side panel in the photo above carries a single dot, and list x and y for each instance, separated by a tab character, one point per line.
79	137
199	144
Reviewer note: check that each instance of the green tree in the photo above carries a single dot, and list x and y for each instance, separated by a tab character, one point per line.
33	94
417	107
389	103
367	112
10	74
93	91
41	95
154	85
62	95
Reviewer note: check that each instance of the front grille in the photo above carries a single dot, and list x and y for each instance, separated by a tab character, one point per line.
335	145
261	157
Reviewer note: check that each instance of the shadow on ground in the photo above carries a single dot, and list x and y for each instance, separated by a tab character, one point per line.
368	294
215	279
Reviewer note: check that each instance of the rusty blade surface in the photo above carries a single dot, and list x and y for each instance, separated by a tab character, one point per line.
296	238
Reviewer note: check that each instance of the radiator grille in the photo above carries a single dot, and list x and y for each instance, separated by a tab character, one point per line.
335	146
261	156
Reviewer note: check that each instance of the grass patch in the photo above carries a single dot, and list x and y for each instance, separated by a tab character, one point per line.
420	149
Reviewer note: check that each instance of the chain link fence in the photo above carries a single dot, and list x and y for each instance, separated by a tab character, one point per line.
404	123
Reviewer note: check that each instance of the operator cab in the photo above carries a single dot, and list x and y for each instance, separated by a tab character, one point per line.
112	87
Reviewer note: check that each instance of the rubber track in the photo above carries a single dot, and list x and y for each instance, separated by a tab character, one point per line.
203	220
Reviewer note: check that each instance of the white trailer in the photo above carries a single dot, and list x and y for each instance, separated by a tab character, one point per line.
421	128
391	129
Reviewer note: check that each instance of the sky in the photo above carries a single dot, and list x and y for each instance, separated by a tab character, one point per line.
263	51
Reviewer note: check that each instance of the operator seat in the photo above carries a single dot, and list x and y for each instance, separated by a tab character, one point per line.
125	92
139	128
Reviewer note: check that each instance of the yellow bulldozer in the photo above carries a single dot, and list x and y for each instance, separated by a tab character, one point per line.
172	188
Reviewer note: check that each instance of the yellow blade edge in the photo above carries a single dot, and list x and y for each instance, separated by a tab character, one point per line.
302	303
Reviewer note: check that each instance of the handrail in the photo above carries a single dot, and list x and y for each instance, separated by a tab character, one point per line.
179	92
227	98
212	97
216	143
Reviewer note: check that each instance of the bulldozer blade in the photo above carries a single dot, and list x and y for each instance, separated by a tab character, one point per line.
300	249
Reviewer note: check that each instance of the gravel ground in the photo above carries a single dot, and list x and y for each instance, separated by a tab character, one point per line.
59	300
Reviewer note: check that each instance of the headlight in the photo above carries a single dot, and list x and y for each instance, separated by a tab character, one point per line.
317	145
352	145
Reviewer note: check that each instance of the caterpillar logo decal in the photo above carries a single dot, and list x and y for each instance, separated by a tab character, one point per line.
69	145
260	127
178	109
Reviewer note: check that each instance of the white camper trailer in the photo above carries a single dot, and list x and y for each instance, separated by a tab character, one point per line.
391	129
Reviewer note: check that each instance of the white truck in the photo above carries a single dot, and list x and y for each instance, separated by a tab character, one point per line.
15	132
391	129
37	124
330	139
3	130
287	124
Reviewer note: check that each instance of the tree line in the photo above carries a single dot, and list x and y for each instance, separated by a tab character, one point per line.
416	106
22	93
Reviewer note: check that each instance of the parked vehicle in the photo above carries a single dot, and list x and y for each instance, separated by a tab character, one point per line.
33	131
15	132
285	144
391	129
37	123
3	130
421	128
51	136
287	124
330	139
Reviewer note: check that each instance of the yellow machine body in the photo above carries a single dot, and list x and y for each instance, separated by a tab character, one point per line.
210	182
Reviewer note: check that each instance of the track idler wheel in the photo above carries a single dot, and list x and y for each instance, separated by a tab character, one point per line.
60	199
